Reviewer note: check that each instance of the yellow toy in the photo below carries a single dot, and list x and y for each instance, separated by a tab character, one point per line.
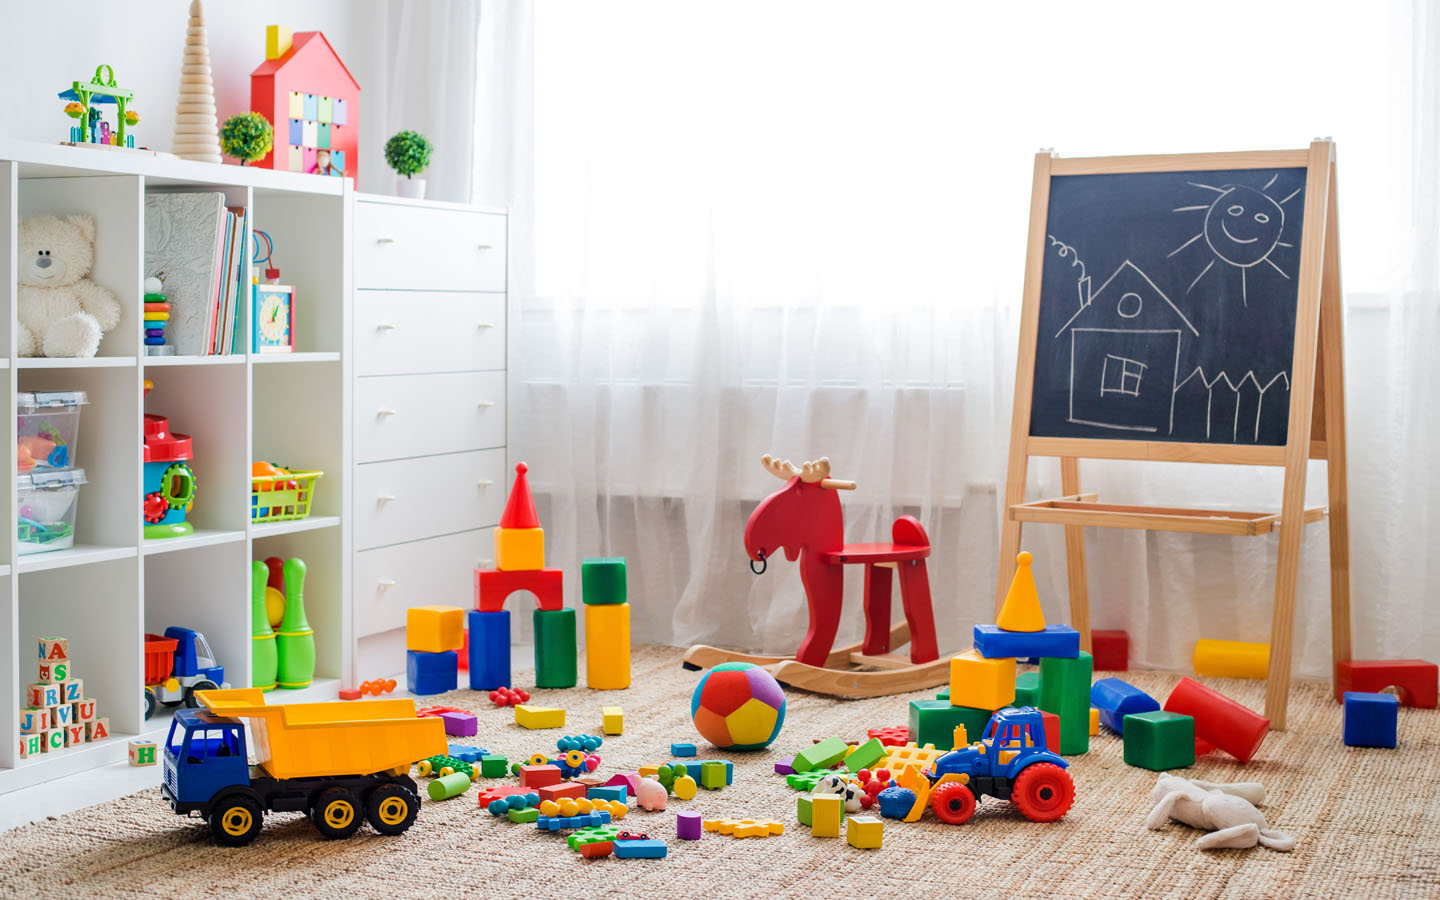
614	719
434	629
1232	659
539	716
864	832
981	683
1021	611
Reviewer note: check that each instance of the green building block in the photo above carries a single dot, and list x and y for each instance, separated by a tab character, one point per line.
1065	691
866	755
802	809
820	756
494	766
805	781
1157	740
944	694
712	775
555	665
602	581
1027	689
591	834
526	815
934	721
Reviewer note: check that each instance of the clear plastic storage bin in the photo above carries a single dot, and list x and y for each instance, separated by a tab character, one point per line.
45	505
48	426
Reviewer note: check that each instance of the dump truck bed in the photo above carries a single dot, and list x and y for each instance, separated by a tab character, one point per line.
307	740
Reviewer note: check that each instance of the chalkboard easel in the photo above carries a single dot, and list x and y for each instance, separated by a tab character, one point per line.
1181	308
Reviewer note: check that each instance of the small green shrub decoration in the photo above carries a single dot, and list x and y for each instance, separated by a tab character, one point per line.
247	137
408	153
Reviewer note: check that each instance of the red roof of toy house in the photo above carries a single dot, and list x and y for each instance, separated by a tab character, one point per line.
301	43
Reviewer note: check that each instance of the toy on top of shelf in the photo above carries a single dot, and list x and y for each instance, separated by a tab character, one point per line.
86	96
1232	659
264	658
47	428
408	153
738	706
157	318
62	312
805	519
1011	761
295	639
177	667
279	494
607	624
305	89
341	763
272	318
247	136
1226	810
167	480
197	133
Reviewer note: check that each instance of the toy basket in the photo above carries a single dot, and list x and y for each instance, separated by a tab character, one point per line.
282	498
159	658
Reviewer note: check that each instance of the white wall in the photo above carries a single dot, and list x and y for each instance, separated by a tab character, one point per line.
44	46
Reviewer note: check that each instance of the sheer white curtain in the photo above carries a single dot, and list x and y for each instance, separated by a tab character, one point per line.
799	228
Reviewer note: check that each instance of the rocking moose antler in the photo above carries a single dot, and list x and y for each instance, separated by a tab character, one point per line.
805	520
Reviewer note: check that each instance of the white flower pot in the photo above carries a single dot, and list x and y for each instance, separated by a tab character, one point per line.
410	188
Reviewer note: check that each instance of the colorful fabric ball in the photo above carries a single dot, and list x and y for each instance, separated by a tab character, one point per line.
738	706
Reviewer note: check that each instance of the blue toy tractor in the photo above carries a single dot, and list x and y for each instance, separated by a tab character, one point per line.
1010	762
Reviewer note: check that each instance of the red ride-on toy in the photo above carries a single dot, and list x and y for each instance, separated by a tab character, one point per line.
1010	762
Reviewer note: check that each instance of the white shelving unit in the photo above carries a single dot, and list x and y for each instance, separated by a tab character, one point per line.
114	586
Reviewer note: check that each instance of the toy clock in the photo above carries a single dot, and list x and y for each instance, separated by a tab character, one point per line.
272	319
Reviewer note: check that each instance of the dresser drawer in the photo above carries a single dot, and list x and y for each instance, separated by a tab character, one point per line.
407	500
419	249
390	580
407	332
398	416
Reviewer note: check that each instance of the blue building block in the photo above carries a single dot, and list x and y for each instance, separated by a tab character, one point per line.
1370	719
431	673
1056	642
489	649
559	823
650	849
611	792
682	750
693	769
1117	699
466	753
896	802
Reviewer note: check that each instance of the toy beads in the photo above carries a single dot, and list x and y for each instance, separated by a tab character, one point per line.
504	696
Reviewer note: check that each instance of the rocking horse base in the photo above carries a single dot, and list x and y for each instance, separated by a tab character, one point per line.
845	671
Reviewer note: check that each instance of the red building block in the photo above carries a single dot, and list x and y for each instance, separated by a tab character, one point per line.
539	776
493	587
1218	719
563	789
1111	650
1052	731
894	736
1415	680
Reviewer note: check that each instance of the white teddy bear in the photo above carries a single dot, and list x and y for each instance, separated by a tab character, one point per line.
62	312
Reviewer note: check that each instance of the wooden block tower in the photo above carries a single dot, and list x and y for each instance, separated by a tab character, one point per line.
57	713
520	566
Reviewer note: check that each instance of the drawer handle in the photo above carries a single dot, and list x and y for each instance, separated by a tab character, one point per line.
484	563
385	240
385	326
484	247
485	404
382	413
385	583
486	325
385	498
484	483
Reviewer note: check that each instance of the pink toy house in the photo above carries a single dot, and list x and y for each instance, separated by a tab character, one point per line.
312	100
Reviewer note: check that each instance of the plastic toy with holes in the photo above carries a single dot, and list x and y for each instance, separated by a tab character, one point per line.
1010	762
167	479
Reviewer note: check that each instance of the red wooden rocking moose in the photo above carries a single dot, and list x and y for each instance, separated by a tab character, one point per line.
804	519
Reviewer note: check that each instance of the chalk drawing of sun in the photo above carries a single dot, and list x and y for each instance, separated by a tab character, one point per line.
1242	228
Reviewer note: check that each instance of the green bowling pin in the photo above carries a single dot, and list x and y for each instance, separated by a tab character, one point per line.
262	638
295	642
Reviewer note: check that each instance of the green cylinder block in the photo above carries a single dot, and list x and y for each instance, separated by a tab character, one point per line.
447	786
555	657
262	638
295	642
1065	691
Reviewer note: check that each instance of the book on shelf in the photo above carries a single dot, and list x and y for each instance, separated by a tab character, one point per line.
199	248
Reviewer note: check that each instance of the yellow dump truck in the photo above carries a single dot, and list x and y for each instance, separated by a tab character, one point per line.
340	763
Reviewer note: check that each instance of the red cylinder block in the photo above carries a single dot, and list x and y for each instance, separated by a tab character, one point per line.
1218	719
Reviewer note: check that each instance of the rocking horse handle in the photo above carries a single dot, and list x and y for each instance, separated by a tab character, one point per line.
813	472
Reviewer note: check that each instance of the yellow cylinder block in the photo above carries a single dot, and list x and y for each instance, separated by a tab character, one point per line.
1232	659
607	646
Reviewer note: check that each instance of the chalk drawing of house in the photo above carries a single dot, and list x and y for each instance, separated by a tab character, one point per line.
1125	344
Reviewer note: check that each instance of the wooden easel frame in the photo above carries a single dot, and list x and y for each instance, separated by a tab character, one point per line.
1316	422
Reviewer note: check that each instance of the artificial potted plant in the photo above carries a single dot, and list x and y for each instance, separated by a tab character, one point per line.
408	153
247	137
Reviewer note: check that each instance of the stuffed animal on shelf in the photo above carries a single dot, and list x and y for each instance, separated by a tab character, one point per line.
1226	810
61	311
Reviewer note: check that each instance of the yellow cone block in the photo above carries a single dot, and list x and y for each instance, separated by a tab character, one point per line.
981	683
1021	610
607	646
1232	659
519	549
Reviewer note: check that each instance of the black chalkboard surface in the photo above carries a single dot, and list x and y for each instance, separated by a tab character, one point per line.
1167	306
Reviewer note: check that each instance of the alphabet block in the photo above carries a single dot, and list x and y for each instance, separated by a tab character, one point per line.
85	710
74	734
43	695
54	648
52	672
72	689
34	721
31	745
98	729
54	739
62	715
142	753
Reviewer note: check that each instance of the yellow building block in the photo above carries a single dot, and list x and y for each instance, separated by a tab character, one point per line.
614	717
539	716
434	629
1021	611
981	683
864	832
1094	720
519	549
825	813
1231	659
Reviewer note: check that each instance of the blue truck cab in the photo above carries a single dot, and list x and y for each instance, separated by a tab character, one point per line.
204	754
1011	762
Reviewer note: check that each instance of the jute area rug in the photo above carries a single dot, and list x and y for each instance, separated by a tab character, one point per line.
1366	823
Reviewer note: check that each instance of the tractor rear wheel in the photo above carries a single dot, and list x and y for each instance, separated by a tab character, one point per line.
953	803
1043	791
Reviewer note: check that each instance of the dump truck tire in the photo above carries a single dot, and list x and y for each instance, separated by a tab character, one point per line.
337	813
235	821
392	809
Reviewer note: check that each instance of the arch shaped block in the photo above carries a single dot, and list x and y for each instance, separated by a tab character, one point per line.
493	587
1415	680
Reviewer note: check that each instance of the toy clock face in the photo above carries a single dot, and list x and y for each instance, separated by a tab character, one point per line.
274	314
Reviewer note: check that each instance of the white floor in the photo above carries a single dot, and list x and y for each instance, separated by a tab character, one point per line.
77	791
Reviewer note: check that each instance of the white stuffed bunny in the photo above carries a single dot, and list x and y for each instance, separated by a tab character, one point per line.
1226	810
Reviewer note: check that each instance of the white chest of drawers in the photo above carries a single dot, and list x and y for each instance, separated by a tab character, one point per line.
429	419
